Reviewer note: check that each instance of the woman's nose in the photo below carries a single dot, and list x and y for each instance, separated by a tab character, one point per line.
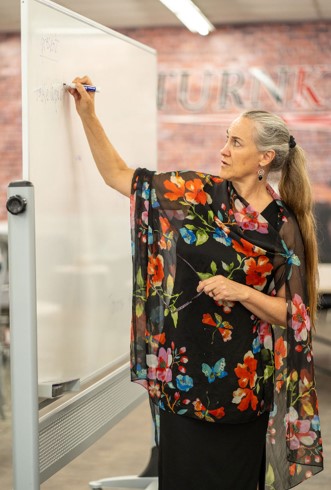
225	150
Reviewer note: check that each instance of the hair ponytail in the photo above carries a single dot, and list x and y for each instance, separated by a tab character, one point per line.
271	132
294	176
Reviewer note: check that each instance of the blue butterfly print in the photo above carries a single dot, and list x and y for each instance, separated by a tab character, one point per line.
214	372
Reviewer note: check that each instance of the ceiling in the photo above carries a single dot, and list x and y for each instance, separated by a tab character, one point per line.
152	13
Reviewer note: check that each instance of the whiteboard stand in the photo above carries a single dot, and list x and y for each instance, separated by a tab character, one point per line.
148	483
23	326
3	271
146	480
70	230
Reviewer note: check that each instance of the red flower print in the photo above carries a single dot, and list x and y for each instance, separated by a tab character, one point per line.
279	382
165	225
167	235
176	186
247	248
224	328
160	338
257	271
199	409
245	398
208	319
225	331
280	352
247	372
249	219
203	413
155	269
196	194
198	406
159	367
217	180
300	319
218	413
155	340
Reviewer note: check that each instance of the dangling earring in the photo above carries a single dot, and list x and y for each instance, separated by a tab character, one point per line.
260	174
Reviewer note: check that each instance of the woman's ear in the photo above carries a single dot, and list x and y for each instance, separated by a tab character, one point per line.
267	157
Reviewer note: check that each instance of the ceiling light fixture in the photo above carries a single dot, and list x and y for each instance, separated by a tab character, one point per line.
190	15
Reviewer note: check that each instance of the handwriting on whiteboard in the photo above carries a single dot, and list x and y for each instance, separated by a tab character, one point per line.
49	93
49	46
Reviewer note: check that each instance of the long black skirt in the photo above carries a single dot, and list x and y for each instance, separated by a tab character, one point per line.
199	455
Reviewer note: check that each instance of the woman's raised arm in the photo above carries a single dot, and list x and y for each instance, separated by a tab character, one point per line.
111	166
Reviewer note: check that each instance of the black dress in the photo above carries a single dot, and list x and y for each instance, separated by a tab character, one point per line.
233	455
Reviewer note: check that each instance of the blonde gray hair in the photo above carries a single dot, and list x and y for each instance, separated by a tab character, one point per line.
272	133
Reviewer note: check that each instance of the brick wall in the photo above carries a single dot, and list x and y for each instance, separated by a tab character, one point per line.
204	82
10	115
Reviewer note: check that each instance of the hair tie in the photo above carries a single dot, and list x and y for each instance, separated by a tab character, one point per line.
292	142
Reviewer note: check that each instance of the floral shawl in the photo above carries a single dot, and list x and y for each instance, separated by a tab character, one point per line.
216	361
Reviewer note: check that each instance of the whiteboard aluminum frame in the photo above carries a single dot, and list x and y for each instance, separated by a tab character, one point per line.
24	89
92	23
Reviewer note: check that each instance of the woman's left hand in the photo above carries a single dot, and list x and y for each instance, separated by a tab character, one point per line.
222	289
271	309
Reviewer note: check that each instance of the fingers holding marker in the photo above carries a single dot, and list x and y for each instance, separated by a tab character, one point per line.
83	80
83	91
86	83
81	87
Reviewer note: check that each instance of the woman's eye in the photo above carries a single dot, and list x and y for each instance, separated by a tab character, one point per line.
236	143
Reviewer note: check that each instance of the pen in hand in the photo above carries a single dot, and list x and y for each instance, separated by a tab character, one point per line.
88	88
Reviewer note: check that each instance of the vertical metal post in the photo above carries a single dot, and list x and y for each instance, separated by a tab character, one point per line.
23	326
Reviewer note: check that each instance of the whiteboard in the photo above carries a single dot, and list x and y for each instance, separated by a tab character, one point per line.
82	226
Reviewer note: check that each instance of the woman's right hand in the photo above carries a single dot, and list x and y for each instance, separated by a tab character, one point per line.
84	100
111	166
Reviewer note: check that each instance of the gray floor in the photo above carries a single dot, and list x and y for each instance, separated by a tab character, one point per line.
125	449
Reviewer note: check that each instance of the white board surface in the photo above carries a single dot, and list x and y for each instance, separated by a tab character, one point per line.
82	226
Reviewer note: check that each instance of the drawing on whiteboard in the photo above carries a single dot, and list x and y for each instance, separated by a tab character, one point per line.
49	93
49	46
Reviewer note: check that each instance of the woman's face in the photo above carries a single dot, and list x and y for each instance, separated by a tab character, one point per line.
240	157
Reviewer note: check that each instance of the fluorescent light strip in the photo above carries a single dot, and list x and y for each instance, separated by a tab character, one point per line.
190	15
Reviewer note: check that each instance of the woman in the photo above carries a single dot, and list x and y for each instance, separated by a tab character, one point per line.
224	296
